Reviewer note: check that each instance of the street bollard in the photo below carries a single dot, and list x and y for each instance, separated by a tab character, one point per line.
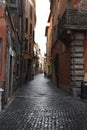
1	91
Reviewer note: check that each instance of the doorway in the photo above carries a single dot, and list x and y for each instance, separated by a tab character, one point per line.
10	77
56	69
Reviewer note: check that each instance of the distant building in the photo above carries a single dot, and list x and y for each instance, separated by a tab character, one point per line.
38	62
41	63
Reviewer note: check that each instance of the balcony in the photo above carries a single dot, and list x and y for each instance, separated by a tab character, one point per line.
71	21
13	5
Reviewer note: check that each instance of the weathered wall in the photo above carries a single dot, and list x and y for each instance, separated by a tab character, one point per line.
3	37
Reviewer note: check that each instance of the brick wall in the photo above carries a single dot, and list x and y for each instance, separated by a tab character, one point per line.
64	64
64	55
3	36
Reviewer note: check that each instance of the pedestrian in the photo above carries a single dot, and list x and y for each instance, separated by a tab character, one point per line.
44	74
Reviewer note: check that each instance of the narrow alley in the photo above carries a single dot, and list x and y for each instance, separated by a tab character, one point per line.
38	105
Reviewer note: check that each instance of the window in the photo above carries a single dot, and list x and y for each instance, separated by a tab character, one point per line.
30	11
13	5
26	45
31	29
29	47
26	25
63	48
17	67
26	5
13	1
58	18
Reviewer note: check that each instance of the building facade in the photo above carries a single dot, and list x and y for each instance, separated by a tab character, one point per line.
2	46
29	24
36	59
38	62
17	22
69	29
13	50
49	58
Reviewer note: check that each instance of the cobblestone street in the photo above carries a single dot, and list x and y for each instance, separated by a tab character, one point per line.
39	105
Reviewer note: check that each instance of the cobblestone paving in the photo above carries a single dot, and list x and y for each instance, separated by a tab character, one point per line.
39	105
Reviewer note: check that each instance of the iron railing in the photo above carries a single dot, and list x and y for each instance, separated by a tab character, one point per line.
73	18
